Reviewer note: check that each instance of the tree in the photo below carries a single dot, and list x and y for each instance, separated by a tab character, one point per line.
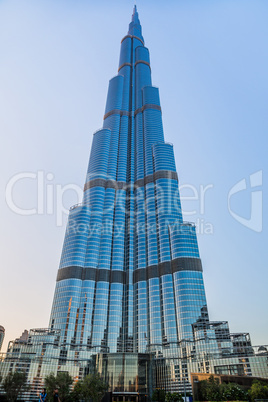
173	397
62	382
258	390
233	392
91	388
77	393
14	384
159	395
210	389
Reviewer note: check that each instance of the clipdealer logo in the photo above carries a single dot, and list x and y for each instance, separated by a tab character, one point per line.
50	197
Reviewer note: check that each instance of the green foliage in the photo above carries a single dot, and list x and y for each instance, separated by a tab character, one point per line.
77	393
62	382
258	390
173	397
14	384
212	390
233	392
158	395
91	388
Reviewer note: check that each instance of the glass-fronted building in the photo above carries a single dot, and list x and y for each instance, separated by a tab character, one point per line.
2	335
130	300
130	277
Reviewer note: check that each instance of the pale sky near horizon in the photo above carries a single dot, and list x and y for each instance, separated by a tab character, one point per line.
209	59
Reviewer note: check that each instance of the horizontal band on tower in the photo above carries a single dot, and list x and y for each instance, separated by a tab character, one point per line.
129	114
117	185
161	174
148	106
121	185
132	36
168	267
137	62
117	111
124	65
143	62
142	274
93	274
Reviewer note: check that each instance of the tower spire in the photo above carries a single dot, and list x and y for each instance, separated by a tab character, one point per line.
135	26
134	11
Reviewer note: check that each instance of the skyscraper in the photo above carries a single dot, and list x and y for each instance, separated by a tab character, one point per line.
127	249
130	278
130	298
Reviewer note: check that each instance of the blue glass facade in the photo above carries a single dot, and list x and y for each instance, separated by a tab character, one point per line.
130	276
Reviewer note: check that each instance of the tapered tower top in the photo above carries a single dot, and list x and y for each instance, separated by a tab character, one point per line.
135	26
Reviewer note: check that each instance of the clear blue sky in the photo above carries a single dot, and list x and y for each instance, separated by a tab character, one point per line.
210	61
